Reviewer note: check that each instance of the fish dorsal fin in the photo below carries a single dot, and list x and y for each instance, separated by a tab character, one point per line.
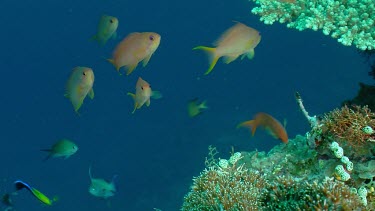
285	122
226	34
90	173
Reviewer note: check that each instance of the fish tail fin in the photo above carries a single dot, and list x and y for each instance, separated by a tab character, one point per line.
45	150
49	154
203	105
135	102
112	61
213	58
249	124
55	198
18	184
97	39
156	95
113	182
47	158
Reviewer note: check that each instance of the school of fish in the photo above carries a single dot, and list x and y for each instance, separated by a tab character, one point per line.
237	41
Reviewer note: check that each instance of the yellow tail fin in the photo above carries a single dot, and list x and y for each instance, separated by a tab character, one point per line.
213	58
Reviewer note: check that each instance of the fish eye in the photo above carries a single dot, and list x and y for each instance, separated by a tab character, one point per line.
142	87
111	20
151	37
83	73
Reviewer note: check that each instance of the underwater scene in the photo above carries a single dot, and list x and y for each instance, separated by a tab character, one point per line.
195	106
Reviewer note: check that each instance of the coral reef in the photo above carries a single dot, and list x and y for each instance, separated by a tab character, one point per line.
225	187
260	181
349	21
352	127
330	168
287	193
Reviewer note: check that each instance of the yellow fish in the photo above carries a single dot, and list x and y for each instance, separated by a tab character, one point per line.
37	194
134	48
235	41
62	148
195	108
79	85
143	93
106	29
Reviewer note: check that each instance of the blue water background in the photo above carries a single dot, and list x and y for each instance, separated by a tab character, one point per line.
157	151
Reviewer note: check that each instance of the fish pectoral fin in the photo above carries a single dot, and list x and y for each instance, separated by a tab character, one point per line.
131	95
114	35
148	102
229	59
91	93
130	69
250	54
270	132
146	60
156	95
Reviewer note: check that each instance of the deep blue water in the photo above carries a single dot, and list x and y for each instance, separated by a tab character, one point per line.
157	151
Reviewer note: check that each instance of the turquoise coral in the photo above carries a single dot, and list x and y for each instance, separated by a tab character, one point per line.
348	21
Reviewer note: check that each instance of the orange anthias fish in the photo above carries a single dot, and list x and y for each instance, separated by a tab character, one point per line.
79	85
143	93
134	48
237	40
269	123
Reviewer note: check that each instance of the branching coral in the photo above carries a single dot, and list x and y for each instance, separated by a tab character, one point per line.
349	21
287	193
229	188
351	128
